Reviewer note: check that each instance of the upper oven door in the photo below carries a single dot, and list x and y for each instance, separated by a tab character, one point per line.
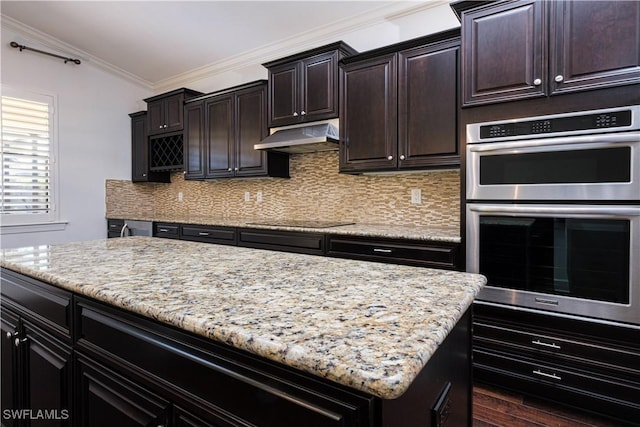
590	167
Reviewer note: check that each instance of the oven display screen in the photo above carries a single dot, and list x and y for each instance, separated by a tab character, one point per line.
581	258
614	119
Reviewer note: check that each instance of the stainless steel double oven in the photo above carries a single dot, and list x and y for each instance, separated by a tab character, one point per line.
553	212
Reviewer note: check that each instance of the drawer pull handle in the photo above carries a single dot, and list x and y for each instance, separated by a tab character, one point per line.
545	344
203	233
544	374
163	230
382	251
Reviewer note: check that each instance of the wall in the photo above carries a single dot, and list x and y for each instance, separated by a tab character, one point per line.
94	136
315	191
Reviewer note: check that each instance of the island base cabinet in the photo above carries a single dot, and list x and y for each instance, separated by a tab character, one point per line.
239	388
36	353
36	375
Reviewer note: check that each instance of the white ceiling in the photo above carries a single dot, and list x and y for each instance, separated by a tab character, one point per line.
159	40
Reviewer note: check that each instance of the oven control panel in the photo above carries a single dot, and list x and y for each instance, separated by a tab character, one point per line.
558	124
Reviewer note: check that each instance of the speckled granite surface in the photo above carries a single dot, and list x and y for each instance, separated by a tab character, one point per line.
437	233
366	325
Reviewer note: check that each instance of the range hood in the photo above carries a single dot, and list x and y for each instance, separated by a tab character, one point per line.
310	138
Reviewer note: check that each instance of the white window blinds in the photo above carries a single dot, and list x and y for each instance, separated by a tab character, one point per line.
27	157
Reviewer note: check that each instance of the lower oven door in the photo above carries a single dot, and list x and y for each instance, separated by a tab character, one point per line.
575	259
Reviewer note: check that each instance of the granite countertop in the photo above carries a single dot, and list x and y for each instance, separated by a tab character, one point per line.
369	326
431	233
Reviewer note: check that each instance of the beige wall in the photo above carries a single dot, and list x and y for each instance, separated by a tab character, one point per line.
315	191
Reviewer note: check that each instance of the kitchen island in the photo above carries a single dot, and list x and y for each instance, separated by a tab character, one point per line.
341	342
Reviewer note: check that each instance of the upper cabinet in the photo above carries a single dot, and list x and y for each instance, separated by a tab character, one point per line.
165	111
140	167
305	87
220	131
400	108
514	50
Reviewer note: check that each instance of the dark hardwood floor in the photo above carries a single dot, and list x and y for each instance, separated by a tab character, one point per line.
499	408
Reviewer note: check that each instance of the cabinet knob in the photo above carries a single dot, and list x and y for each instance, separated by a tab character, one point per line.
559	78
402	157
18	341
390	158
229	169
144	174
303	113
537	82
165	126
295	114
9	335
160	127
235	169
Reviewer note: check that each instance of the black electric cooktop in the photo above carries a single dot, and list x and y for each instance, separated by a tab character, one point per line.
302	223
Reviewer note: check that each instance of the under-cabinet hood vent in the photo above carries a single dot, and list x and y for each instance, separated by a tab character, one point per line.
304	139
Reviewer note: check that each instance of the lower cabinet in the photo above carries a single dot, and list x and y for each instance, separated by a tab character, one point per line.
432	254
288	241
132	372
36	356
590	366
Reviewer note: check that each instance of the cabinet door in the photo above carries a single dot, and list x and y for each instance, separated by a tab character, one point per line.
504	50
594	44
283	94
173	113
48	374
139	149
220	137
106	399
427	107
368	132
194	140
155	117
8	366
251	128
320	87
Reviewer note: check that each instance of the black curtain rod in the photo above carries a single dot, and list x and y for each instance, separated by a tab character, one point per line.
22	47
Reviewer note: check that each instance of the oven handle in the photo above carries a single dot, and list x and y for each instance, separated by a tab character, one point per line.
596	141
622	211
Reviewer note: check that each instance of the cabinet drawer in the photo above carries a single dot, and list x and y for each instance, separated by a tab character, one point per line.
421	253
245	387
222	235
289	241
608	357
166	230
558	377
114	227
39	301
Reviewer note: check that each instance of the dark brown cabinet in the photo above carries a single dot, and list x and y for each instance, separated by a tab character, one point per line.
165	111
221	130
305	87
587	365
400	106
444	255
288	241
36	352
140	156
524	49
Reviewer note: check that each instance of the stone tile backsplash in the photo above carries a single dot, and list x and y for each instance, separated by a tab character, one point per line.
315	191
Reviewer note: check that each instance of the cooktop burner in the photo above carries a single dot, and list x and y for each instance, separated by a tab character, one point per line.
302	223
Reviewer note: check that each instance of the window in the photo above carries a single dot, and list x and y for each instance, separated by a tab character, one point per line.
28	168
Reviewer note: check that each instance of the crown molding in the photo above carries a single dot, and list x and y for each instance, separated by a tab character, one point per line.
328	33
33	35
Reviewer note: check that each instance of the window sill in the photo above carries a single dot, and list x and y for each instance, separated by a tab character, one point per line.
32	228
